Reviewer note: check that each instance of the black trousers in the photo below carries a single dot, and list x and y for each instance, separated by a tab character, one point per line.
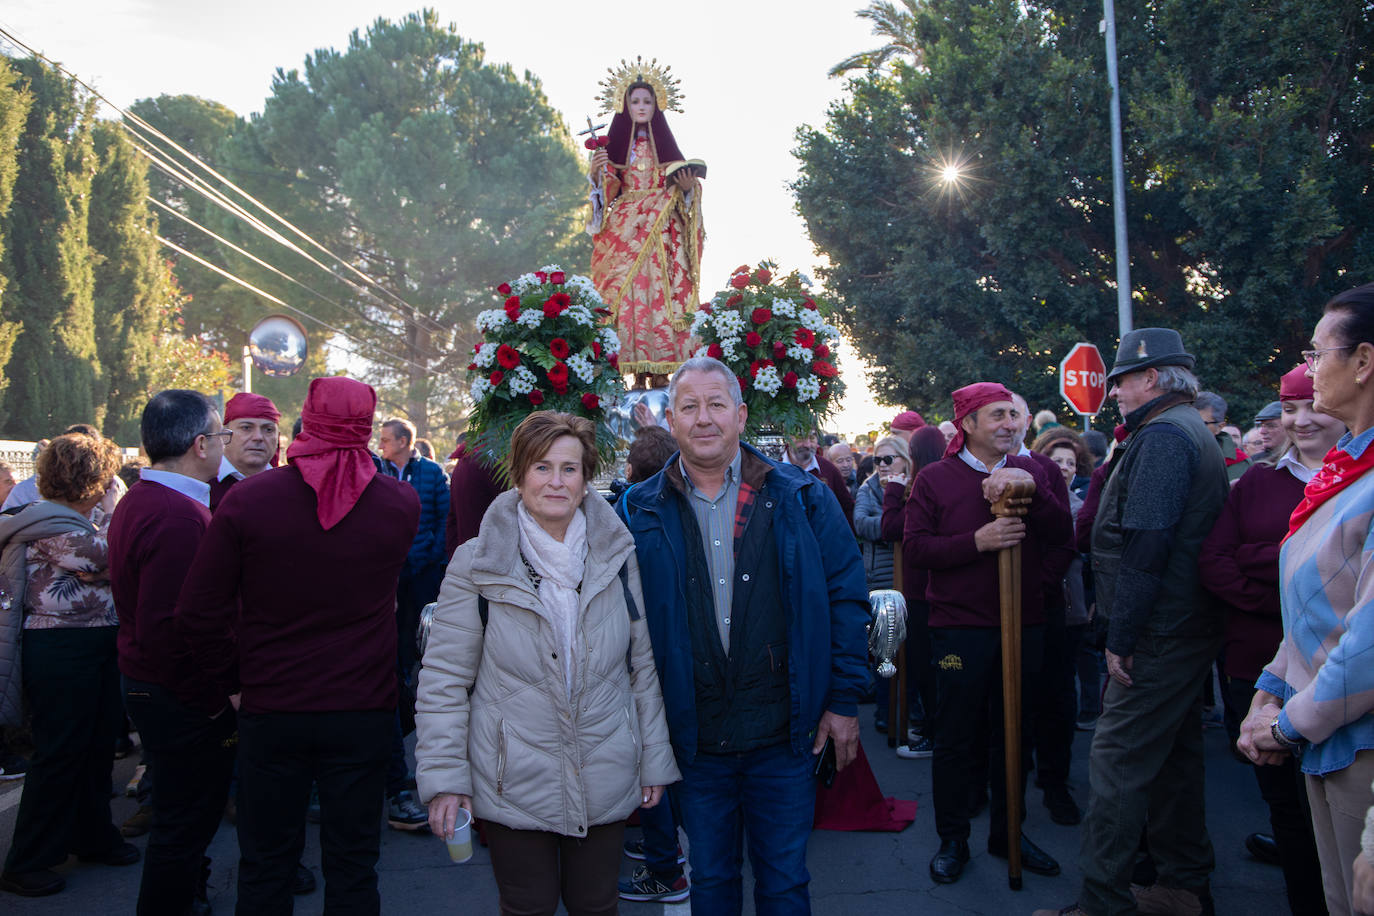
345	753
1290	818
71	677
1055	702
968	682
193	757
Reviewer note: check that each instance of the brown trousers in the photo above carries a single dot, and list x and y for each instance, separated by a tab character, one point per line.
534	868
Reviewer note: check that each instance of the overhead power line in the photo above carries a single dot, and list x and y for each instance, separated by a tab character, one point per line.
205	189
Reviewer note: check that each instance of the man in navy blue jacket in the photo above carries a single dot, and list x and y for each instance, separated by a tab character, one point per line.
418	585
757	609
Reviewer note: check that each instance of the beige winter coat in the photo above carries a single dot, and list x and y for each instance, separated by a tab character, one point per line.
531	756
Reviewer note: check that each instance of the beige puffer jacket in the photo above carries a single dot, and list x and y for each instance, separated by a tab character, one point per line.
531	756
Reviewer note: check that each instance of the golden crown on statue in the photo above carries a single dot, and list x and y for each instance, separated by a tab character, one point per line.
619	80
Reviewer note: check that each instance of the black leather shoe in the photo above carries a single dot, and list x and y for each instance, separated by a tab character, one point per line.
304	882
949	862
1063	809
1263	848
1033	858
120	854
32	883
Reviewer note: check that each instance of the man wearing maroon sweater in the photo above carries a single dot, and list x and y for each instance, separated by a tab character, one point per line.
252	448
153	538
313	649
950	530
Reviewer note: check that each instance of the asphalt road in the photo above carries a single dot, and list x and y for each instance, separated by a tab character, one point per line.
867	873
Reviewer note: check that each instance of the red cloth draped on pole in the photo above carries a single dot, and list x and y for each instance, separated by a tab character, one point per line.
331	451
854	801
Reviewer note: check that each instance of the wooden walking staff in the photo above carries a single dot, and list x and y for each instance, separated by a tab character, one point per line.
1019	487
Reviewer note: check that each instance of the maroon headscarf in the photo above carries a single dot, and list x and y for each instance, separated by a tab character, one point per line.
1296	386
967	400
331	451
248	406
622	133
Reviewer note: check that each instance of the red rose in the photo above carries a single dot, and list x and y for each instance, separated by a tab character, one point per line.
559	387
562	299
558	373
507	356
512	301
496	376
602	312
590	143
559	348
591	401
742	269
762	275
536	397
762	316
789	380
557	278
810	304
714	351
822	351
739	281
825	391
805	337
734	300
706	307
603	141
541	276
779	349
504	289
743	385
472	366
476	348
754	368
596	348
614	360
753	339
824	369
552	309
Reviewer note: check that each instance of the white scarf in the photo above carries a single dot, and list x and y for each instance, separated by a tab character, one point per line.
560	566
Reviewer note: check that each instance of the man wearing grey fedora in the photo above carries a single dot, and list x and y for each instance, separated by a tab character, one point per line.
1165	488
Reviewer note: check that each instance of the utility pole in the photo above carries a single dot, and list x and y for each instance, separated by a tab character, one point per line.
1123	262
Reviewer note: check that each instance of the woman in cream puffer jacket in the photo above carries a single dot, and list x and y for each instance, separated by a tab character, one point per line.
531	753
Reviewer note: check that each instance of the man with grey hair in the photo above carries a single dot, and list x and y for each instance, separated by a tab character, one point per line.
842	456
1164	491
1211	407
757	622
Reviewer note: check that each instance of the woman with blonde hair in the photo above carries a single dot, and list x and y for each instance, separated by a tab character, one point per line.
539	708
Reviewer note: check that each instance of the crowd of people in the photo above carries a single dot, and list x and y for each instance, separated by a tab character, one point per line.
694	647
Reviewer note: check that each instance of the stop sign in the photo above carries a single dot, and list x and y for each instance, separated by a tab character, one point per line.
1083	379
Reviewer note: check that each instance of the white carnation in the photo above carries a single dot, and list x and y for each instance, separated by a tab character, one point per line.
486	355
808	388
768	381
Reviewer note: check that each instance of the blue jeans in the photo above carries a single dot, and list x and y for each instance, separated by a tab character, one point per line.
768	796
659	825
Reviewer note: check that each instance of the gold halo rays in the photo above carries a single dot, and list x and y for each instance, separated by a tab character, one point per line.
619	79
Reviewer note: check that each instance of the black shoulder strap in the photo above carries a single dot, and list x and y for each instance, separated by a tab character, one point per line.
625	587
483	609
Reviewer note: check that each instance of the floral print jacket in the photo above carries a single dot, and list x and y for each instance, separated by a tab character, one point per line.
69	580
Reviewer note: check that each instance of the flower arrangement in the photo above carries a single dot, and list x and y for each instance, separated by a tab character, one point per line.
545	348
777	339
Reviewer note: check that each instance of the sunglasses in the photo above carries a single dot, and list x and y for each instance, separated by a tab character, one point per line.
885	460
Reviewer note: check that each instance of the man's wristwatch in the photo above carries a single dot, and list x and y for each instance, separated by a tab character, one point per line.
1285	742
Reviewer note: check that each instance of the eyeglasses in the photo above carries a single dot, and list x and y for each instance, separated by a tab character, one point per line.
885	460
1213	422
223	433
1312	357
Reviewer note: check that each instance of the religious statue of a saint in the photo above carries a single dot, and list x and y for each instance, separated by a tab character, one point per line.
646	223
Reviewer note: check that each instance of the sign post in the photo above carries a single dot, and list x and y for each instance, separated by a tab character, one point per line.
1083	380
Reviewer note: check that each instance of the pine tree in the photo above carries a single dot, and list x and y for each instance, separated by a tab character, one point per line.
14	110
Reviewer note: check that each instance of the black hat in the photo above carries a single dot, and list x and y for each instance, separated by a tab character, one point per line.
1147	348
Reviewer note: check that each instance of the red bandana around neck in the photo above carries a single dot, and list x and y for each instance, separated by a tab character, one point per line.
1339	470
